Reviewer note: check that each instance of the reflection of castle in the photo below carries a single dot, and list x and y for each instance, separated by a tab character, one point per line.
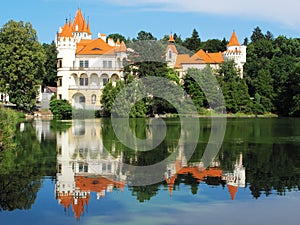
234	179
237	178
83	166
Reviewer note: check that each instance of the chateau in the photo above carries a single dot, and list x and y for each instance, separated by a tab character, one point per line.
85	65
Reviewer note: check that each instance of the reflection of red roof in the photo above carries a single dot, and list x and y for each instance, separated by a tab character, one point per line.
78	208
198	173
96	184
87	184
232	190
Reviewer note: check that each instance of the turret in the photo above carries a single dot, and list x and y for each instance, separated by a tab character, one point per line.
171	52
236	52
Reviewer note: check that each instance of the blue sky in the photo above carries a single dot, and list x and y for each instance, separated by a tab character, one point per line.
212	19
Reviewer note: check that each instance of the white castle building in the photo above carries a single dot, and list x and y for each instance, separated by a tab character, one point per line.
182	62
84	64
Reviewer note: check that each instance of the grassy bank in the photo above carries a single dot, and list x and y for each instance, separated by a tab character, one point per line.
8	121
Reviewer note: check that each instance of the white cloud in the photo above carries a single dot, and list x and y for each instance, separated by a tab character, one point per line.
283	12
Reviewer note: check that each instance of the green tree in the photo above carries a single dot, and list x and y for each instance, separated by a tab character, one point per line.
193	43
61	108
109	95
22	61
234	89
145	36
50	76
257	35
117	37
213	45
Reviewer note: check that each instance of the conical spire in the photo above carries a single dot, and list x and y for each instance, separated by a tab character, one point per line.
171	39
232	190
233	40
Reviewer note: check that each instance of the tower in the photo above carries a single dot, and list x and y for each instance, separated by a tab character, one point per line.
236	52
171	52
66	43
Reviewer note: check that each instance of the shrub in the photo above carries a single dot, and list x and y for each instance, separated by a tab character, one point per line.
61	109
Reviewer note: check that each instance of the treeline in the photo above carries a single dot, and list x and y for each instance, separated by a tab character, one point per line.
271	73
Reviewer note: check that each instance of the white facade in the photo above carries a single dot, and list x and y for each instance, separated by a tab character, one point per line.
85	65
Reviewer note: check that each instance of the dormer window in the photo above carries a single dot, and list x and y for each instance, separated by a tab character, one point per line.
96	49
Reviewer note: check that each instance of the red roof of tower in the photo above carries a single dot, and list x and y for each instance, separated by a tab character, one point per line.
233	40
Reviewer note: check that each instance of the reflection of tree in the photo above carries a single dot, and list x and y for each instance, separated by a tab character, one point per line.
22	169
273	167
144	193
18	190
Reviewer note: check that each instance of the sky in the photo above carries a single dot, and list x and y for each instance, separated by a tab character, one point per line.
212	19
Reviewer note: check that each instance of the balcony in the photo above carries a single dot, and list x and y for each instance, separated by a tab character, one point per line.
88	87
96	68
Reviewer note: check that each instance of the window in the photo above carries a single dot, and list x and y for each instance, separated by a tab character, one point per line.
59	82
84	81
84	63
59	63
83	168
82	99
105	80
170	54
107	64
93	100
60	96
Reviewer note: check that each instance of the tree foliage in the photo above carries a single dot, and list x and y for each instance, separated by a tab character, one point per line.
49	78
22	61
271	69
193	43
61	108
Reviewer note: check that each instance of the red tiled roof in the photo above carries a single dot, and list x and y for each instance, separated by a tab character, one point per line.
79	25
233	40
93	47
209	57
232	190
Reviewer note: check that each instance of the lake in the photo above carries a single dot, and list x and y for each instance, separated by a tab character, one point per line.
93	172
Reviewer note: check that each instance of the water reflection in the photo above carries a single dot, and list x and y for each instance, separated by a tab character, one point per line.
84	161
85	166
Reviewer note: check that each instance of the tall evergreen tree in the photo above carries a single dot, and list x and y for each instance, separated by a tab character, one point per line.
257	35
193	43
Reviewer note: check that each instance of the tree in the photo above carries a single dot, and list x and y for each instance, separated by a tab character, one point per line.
213	45
117	37
60	108
50	76
234	89
145	36
22	61
193	43
257	35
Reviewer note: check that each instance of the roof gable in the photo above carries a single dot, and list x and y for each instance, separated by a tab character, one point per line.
93	47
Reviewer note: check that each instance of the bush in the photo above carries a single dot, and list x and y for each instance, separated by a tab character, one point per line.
61	109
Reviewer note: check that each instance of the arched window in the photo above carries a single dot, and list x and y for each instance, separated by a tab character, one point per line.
170	54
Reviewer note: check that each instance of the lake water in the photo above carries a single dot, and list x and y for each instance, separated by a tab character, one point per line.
80	172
